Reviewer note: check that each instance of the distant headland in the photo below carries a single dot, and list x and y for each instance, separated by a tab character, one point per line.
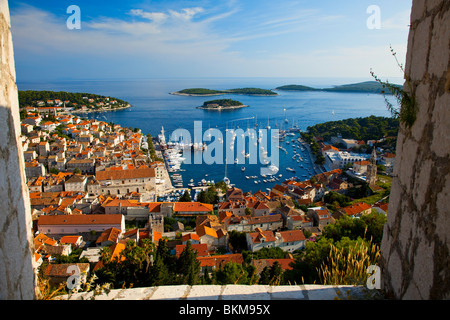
223	104
362	87
69	102
197	92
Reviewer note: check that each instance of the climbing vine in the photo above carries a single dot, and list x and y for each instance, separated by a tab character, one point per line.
407	113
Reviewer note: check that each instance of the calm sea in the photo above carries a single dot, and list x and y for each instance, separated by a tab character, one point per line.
154	107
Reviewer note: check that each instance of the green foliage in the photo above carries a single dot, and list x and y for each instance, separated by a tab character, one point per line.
332	197
408	104
200	91
252	91
223	103
295	87
368	227
30	97
221	185
237	240
272	275
264	253
188	265
246	91
209	196
186	197
231	273
344	234
362	87
369	128
74	257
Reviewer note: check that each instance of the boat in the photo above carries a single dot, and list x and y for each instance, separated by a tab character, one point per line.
225	179
290	169
243	169
273	169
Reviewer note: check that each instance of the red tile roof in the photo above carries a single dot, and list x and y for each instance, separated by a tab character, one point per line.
292	235
192	207
356	208
111	234
285	264
81	219
190	236
125	174
218	260
257	237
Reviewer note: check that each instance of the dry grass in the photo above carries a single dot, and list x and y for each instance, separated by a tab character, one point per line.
46	291
349	266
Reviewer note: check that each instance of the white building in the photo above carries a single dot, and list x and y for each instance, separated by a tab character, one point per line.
289	241
76	183
338	160
120	182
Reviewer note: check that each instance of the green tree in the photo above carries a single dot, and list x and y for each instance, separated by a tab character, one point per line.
264	277
237	240
186	197
188	265
276	274
231	273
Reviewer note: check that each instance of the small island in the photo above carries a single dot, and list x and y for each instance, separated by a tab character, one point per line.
196	92
223	104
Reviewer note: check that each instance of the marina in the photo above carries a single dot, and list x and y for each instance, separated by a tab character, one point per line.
291	151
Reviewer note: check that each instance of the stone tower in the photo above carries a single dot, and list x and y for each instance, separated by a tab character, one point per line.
372	169
156	223
17	277
416	245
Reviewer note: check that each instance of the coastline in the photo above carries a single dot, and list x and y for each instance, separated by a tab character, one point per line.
196	95
100	110
221	94
220	108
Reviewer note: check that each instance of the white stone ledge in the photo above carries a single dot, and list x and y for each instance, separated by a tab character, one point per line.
228	292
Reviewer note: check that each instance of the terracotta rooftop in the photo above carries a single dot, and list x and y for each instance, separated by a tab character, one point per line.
81	219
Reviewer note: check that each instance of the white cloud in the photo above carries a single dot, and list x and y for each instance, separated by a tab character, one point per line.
399	21
157	17
191	42
186	14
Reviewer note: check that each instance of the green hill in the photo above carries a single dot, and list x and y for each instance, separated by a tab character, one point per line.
244	91
35	98
363	87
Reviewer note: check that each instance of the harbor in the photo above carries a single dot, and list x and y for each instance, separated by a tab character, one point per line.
295	162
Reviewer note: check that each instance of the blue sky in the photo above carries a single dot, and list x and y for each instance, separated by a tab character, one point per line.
190	38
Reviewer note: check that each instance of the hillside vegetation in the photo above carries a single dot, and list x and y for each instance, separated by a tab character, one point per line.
363	87
245	91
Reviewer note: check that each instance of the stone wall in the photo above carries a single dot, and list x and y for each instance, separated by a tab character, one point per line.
416	245
16	238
